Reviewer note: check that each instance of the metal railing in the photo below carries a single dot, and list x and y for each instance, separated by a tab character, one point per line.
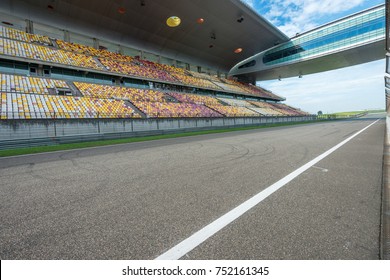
21	133
12	115
102	115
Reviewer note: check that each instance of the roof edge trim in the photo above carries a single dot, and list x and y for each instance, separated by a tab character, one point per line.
262	20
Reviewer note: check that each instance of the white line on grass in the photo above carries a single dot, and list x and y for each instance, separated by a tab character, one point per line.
203	234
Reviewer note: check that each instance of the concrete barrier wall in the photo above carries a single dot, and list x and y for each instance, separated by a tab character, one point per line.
32	132
385	217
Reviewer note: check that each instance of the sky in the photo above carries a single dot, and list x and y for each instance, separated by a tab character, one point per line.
353	88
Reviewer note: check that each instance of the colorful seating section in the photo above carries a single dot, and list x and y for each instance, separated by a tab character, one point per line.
18	43
235	102
258	91
288	110
151	102
33	97
195	98
261	108
90	51
233	111
133	94
195	82
264	108
228	87
175	110
271	109
34	106
137	69
47	54
203	76
267	111
22	84
190	77
19	35
158	104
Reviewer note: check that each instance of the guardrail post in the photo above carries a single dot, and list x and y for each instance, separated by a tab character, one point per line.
98	122
55	125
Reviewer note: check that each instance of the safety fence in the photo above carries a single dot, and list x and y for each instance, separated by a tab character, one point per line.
38	132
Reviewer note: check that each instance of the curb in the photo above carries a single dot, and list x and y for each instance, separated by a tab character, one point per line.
385	215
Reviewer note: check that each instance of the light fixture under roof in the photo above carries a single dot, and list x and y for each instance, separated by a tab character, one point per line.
238	50
200	20
121	10
173	21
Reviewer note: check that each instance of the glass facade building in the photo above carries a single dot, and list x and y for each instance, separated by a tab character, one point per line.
357	29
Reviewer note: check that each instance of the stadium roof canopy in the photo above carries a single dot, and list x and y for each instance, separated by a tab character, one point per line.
228	25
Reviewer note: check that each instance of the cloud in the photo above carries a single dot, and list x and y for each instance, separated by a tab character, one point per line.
296	16
354	88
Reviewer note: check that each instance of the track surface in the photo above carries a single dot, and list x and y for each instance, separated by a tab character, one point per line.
136	201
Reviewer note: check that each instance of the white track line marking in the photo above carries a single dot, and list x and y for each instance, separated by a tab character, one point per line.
320	168
203	234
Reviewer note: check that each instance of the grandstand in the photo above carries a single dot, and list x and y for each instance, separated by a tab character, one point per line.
49	72
26	97
32	94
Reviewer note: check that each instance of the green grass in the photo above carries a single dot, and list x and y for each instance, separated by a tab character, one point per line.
352	113
63	147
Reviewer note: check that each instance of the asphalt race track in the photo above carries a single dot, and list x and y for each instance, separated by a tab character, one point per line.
139	200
